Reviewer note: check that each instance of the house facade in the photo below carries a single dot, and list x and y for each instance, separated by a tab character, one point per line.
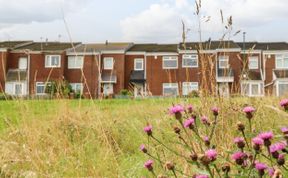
223	68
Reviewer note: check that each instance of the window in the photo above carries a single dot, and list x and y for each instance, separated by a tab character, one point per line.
282	61
138	64
18	89
170	89
253	62
75	62
52	60
170	62
108	89
41	87
252	88
282	88
190	60
223	62
108	63
77	87
188	87
22	63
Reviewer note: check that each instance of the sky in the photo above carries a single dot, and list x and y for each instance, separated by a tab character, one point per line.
142	21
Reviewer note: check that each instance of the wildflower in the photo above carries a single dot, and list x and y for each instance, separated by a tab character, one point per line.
284	103
206	140
281	159
240	142
201	176
177	130
190	108
211	154
277	147
271	171
215	111
261	167
205	120
177	111
148	130
194	157
148	165
257	142
249	111
240	126
170	166
226	167
266	136
284	130
143	148
189	123
239	157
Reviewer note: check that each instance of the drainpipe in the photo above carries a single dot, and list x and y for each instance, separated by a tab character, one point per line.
145	74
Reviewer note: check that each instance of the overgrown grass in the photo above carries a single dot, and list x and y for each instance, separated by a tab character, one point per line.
70	138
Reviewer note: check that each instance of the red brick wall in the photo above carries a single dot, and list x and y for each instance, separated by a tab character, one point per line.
129	67
3	64
269	66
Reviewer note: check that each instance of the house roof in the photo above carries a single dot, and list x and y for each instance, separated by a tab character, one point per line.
209	45
264	45
47	46
281	73
153	47
12	44
95	47
16	75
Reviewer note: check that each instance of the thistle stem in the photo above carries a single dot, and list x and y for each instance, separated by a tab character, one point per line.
213	128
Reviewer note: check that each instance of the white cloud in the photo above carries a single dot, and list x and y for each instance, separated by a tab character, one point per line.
162	21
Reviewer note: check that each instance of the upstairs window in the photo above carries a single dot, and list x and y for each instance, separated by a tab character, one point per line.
282	61
170	62
253	62
75	62
108	63
223	62
138	64
190	60
52	61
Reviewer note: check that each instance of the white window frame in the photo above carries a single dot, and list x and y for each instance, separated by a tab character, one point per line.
105	65
49	58
45	84
189	57
170	58
138	60
170	85
250	83
277	86
189	85
74	86
223	59
19	62
22	88
253	59
281	57
72	62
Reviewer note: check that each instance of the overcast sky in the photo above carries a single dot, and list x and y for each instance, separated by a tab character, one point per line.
140	20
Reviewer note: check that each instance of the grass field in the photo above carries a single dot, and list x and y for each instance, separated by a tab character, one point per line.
71	138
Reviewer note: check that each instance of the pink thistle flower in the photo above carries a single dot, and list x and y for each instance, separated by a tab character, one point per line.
176	109
148	130
277	147
215	111
271	171
266	135
284	102
189	123
284	130
204	120
260	166
238	155
248	109
143	148
201	176
257	141
148	165
206	138
238	139
211	154
190	108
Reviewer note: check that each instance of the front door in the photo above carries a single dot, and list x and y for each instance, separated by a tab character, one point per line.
223	89
107	89
138	90
22	63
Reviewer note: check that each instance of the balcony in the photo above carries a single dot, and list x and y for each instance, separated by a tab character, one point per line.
225	75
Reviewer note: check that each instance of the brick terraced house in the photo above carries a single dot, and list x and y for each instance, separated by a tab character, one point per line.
222	68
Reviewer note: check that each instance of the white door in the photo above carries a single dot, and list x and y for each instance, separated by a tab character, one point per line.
23	63
138	90
223	89
108	88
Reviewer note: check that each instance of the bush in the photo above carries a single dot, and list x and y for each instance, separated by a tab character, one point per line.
194	94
